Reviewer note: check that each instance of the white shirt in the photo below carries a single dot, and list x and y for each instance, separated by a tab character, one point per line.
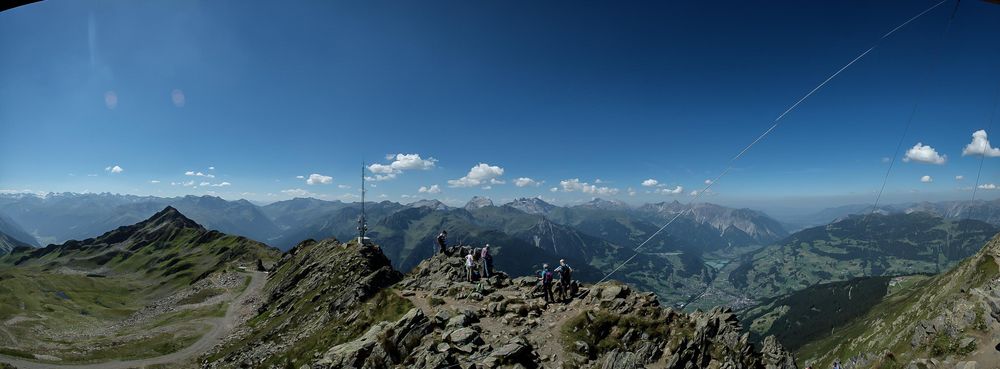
468	260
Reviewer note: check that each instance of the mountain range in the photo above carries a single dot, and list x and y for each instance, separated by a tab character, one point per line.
701	252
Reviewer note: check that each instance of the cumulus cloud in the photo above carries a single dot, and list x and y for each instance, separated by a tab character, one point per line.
300	177
525	182
343	186
631	191
223	184
399	164
554	189
987	186
708	181
431	190
211	168
114	169
670	191
980	145
317	178
924	154
571	185
650	183
959	178
479	175
154	181
192	173
926	179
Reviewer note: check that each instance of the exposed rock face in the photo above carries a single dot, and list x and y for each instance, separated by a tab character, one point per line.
478	202
532	205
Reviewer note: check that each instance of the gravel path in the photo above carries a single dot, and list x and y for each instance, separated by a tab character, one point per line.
220	327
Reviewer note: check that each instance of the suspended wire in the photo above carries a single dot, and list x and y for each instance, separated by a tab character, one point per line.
982	158
913	111
932	64
774	125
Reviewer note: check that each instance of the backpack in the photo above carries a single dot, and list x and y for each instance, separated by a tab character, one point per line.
475	254
547	277
565	273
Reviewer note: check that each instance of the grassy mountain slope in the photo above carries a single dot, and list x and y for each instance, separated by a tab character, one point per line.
137	291
951	317
893	244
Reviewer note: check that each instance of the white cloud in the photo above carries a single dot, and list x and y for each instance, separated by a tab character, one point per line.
650	183
223	184
574	184
631	191
959	178
188	183
487	187
399	164
598	181
300	177
343	186
383	196
204	184
432	189
926	179
480	174
554	189
886	159
987	186
924	154
708	181
316	178
211	168
154	181
980	145
525	182
192	173
670	191
114	169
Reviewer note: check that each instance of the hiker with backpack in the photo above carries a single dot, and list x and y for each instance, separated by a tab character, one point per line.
442	240
565	277
487	260
469	265
546	275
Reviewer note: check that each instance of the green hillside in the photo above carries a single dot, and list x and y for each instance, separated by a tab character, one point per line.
948	318
138	291
896	244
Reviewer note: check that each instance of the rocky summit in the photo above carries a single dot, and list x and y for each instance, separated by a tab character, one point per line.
340	305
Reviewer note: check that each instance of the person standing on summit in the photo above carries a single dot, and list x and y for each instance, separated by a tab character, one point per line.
442	241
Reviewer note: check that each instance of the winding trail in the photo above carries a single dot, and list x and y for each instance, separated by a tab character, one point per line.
220	327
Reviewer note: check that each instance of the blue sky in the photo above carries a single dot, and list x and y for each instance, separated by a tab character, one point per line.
587	98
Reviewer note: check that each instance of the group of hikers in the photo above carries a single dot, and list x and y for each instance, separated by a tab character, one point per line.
479	264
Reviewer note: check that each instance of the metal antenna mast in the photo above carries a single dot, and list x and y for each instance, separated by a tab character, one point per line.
362	222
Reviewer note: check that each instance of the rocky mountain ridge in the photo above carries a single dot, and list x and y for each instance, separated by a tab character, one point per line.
432	318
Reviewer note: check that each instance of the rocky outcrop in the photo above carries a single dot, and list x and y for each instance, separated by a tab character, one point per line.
504	323
327	301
